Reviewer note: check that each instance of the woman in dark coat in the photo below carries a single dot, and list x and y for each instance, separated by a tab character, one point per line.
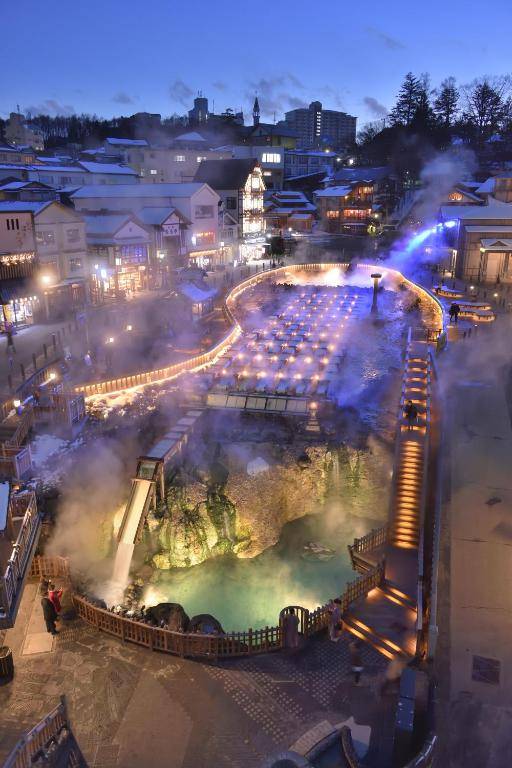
50	615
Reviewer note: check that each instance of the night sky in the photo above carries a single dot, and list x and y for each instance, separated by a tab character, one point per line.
110	58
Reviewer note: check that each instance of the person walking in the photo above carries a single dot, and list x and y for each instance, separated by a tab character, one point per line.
10	348
335	620
356	660
55	596
456	312
291	629
49	614
411	414
392	675
451	312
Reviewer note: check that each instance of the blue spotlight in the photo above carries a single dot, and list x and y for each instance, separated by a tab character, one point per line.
451	223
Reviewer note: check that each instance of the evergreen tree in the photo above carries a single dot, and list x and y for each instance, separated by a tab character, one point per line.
407	101
446	103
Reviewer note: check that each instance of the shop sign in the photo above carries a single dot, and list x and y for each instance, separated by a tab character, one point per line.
171	230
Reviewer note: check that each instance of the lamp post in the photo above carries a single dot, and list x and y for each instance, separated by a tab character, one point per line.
376	277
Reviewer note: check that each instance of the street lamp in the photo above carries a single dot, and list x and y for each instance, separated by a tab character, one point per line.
47	281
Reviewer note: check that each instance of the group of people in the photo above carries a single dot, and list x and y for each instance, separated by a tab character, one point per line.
454	312
51	604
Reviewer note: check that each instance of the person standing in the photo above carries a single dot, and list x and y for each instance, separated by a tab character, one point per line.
49	614
10	348
291	629
334	620
55	596
411	414
356	660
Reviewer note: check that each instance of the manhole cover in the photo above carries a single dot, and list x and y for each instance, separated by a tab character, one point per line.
486	670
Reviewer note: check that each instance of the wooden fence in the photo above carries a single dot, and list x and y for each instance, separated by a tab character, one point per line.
365	545
195	645
37	740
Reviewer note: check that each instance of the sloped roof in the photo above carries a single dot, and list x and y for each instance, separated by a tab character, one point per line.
487	187
156	215
190	136
225	174
333	192
138	190
115	142
362	174
107	168
194	293
35	207
495	209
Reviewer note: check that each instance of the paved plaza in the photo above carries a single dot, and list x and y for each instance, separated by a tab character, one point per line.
130	707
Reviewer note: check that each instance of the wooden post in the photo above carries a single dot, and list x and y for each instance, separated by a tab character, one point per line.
22	370
45	351
34	360
9	381
54	342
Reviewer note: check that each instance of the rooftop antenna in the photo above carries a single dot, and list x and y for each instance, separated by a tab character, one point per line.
274	117
18	107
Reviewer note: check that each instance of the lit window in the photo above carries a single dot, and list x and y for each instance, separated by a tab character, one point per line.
455	196
271	157
179	158
75	265
73	235
200	158
153	171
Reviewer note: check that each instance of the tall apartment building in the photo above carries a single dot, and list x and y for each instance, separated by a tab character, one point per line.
318	127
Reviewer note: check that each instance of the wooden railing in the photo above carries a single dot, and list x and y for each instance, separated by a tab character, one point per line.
367	544
57	567
52	730
22	548
195	645
172	371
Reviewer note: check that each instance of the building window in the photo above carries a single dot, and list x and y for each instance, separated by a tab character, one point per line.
13	224
455	197
203	211
271	157
73	235
46	179
333	214
255	182
65	179
231	203
200	158
153	171
179	158
45	238
75	265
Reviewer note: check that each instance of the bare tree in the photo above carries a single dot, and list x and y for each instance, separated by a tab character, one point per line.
487	105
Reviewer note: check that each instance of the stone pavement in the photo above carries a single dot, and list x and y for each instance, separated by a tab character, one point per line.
131	707
474	659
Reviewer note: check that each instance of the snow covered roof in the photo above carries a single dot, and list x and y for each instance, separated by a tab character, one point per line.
97	151
156	215
127	142
495	209
102	228
194	293
487	188
107	168
6	206
301	216
333	192
138	190
190	136
362	174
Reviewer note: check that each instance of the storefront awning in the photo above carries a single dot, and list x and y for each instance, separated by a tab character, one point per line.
16	288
